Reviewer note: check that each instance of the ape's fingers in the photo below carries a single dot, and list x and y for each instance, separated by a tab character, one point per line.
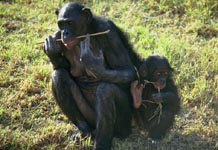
134	83
82	45
101	56
82	49
87	45
45	46
49	44
87	42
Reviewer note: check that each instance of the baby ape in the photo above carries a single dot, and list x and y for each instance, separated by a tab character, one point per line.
155	96
91	77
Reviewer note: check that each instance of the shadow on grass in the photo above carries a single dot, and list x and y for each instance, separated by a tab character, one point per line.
134	142
172	142
5	118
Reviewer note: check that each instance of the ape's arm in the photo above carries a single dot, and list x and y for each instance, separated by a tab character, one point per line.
169	97
54	51
114	65
118	76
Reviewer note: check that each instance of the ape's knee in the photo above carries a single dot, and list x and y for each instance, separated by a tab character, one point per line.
60	77
105	95
158	128
105	103
106	90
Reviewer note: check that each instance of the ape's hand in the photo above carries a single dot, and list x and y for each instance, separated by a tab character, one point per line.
136	91
94	64
157	97
53	50
51	47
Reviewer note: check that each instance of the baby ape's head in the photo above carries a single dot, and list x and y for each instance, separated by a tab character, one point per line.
155	69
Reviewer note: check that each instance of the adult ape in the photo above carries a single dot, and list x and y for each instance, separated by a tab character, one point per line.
155	96
91	77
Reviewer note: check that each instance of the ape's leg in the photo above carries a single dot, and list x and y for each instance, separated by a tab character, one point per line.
66	92
123	115
156	130
113	114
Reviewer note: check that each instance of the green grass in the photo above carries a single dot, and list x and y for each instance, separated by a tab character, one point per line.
186	32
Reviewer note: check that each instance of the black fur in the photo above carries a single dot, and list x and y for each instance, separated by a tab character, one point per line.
100	103
156	125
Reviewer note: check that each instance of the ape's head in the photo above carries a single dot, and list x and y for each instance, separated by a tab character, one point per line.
73	21
156	69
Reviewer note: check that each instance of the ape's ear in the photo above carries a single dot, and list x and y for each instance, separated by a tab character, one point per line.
171	69
57	12
143	70
87	13
169	66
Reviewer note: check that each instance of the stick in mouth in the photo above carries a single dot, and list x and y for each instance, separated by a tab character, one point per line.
83	36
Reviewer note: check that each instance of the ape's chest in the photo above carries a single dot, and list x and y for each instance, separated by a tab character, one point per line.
73	56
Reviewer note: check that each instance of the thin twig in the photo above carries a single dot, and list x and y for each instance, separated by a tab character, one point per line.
94	34
158	109
137	73
155	113
145	107
146	82
160	113
83	36
148	101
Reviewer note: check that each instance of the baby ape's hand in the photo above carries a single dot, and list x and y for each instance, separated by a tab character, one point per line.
136	91
157	97
51	47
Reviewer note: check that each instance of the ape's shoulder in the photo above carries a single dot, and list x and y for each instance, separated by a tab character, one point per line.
102	23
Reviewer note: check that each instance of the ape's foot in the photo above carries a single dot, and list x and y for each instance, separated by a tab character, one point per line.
154	141
79	136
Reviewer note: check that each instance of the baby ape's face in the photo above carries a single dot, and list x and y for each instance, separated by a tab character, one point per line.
157	70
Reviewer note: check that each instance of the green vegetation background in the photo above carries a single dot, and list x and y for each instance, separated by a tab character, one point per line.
185	31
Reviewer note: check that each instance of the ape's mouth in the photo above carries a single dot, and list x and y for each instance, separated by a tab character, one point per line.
159	86
71	43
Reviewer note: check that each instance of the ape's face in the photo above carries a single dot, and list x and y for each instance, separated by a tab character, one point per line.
160	76
73	21
156	69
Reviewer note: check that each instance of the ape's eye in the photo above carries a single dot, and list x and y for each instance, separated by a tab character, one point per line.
144	73
70	23
158	74
61	24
